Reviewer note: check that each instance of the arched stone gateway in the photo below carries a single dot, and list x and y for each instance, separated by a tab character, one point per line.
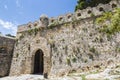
38	66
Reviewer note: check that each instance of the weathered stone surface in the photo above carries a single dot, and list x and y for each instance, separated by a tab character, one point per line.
72	46
110	73
66	48
90	75
6	53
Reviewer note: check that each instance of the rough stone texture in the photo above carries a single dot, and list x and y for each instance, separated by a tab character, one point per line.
6	52
80	14
112	72
68	45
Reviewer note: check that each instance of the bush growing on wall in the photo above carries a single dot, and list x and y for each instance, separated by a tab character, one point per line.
82	4
114	22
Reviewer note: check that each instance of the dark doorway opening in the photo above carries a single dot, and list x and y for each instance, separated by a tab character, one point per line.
38	62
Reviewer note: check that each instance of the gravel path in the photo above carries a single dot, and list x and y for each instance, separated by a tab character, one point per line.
24	77
110	73
38	77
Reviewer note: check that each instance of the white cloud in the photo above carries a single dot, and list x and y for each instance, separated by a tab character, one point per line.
8	25
18	3
5	6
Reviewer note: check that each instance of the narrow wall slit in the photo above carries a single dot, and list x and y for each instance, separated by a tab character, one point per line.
38	62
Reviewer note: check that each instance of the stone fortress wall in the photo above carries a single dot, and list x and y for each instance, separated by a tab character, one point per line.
78	15
69	43
6	53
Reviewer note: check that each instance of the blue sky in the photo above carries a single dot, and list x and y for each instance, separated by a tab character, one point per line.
17	12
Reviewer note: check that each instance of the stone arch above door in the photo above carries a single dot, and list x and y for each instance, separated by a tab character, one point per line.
47	60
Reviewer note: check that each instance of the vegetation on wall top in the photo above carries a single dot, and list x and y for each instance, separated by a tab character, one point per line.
82	4
110	22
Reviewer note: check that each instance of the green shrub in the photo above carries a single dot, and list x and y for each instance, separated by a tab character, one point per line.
93	50
114	22
36	31
68	61
83	77
117	49
30	31
74	59
92	15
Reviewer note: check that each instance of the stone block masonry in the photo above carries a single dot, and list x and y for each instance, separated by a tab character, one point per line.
59	46
78	15
6	53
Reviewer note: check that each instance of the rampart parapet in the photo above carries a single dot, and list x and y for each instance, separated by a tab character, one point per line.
68	43
44	21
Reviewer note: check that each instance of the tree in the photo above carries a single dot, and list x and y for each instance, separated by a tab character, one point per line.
82	4
9	35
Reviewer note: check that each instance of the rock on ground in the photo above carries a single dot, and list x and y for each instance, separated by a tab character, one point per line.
110	73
